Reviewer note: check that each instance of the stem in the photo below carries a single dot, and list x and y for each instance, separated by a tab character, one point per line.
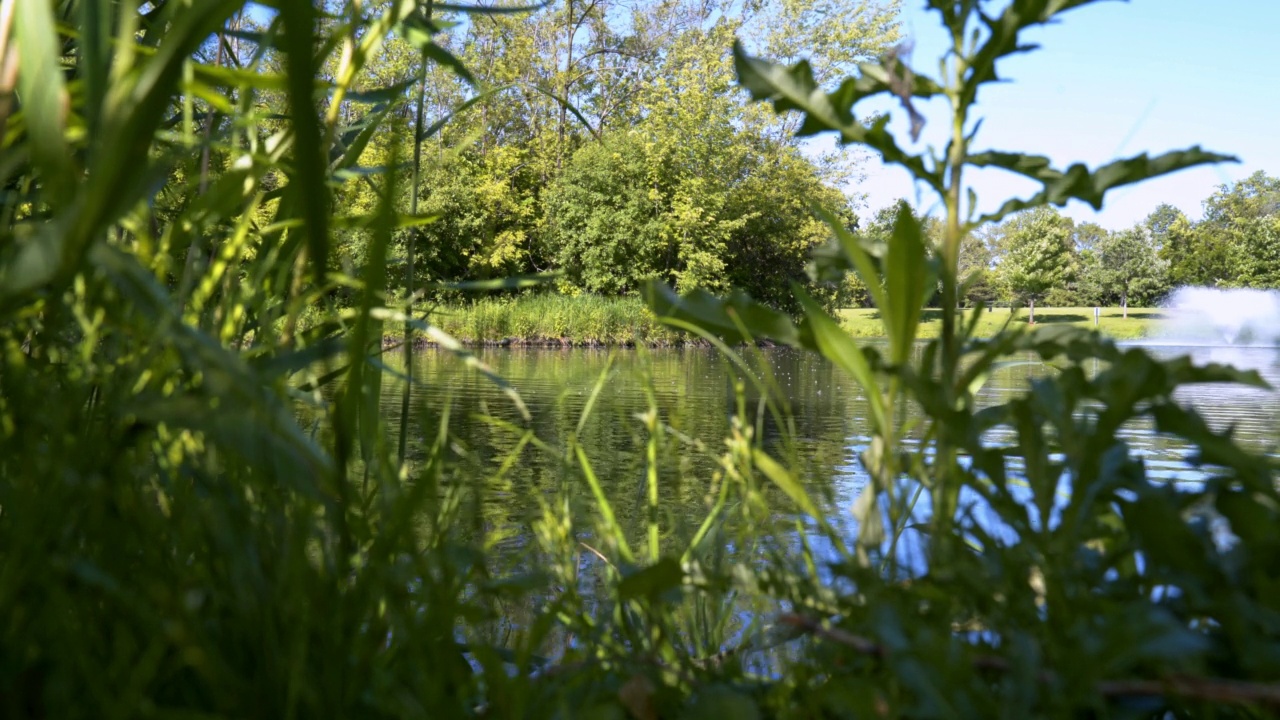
948	493
410	262
651	478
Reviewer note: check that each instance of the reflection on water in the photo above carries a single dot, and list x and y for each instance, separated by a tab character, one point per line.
694	390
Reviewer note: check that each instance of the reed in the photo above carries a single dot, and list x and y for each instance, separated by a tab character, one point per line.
557	320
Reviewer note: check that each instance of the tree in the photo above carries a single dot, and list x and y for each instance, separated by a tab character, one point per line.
974	267
1254	252
1036	254
1161	221
606	229
770	249
484	217
1088	235
1254	197
1125	265
1193	254
1241	220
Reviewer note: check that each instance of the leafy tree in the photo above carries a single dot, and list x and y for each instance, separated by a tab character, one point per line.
483	217
1193	254
1088	235
1161	222
974	267
1036	254
1125	265
1254	252
606	228
769	249
1240	220
1254	197
726	191
627	209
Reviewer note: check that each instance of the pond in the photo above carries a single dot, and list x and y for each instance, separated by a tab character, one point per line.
694	391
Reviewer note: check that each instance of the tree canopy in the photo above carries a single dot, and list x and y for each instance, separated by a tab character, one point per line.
1036	253
609	142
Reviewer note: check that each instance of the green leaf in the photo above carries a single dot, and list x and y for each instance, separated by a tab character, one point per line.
824	334
611	526
796	89
118	174
392	94
858	255
436	126
353	139
447	59
287	363
1002	39
736	318
241	79
786	481
1078	183
568	106
453	346
908	281
45	103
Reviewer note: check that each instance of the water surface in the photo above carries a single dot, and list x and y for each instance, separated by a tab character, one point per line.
694	390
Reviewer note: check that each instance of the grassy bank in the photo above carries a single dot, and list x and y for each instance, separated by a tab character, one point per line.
1141	323
555	319
592	320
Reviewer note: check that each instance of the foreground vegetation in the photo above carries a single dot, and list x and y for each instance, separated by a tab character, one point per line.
205	510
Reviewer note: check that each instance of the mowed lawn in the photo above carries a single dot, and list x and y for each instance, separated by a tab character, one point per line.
1141	323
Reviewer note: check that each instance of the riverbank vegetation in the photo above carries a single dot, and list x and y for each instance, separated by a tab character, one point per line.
212	213
556	320
591	320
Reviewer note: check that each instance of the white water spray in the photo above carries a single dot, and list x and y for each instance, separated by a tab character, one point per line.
1212	316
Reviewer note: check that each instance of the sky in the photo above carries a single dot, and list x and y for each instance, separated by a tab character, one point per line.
1114	79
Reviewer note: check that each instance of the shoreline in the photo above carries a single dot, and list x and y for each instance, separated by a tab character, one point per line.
586	321
541	343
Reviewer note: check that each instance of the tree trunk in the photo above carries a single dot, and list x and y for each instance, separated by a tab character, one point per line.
564	85
1033	311
1124	304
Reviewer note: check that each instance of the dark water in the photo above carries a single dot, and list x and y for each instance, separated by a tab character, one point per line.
694	391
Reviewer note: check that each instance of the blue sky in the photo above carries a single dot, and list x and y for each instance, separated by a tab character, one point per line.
1117	79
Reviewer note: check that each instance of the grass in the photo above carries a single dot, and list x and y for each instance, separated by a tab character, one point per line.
556	319
1141	323
594	320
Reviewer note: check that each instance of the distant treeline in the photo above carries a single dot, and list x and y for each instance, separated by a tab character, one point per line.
1042	256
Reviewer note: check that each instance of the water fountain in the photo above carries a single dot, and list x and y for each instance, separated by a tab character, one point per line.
1213	316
